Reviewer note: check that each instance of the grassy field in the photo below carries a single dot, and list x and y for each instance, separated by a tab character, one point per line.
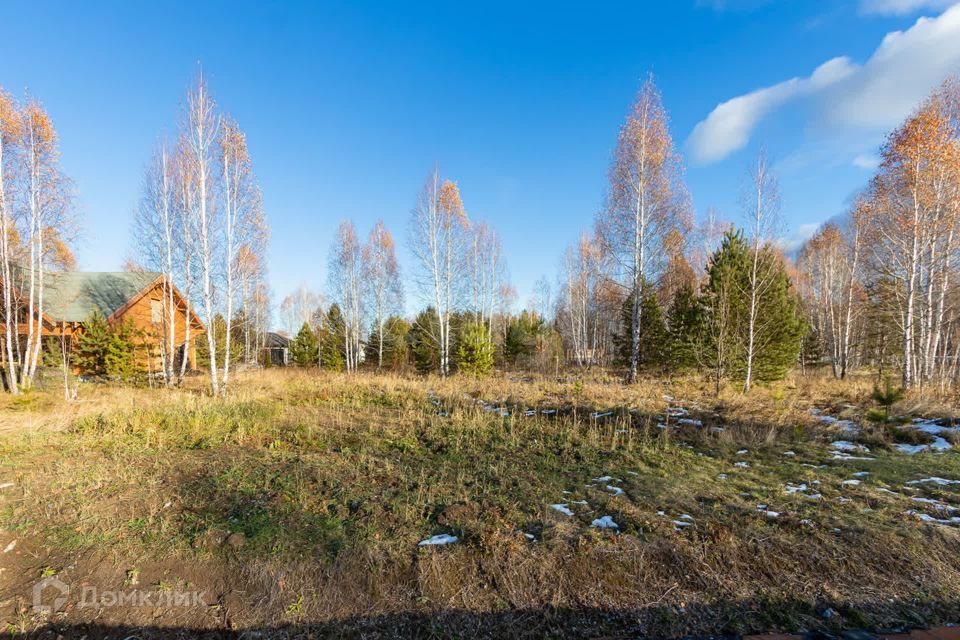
296	505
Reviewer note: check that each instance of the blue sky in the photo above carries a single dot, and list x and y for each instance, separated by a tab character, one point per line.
348	105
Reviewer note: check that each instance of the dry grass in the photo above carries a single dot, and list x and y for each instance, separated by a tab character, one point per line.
332	480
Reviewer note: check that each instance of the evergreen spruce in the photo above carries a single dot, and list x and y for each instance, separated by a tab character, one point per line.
683	326
332	354
475	350
521	337
423	343
304	348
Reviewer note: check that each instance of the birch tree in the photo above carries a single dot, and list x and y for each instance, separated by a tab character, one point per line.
202	126
911	227
646	200
346	273
761	201
243	224
579	306
47	193
382	275
156	233
438	240
10	131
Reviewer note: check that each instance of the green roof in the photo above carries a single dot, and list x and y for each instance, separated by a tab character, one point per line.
71	296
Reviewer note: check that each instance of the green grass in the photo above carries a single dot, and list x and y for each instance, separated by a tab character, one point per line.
333	472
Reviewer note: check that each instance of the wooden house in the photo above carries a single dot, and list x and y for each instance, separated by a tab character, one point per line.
70	297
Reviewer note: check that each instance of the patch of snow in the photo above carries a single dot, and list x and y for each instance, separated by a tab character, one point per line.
789	454
722	476
742	465
772	514
691	421
932	427
935	480
839	455
932	520
852	483
10	547
743	451
800	488
668	398
529	536
602	479
562	508
939	445
615	491
441	538
682	523
861	474
548	412
846	445
606	522
597	414
937	504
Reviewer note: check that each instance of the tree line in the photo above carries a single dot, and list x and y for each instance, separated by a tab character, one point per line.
880	283
645	288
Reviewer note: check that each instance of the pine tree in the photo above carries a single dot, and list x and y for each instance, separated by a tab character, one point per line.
93	345
103	350
521	337
423	341
304	348
331	338
683	326
780	328
121	358
475	350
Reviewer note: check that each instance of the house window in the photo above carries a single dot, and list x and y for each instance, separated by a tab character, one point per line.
156	311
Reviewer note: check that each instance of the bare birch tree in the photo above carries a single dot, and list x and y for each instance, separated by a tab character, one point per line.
438	240
646	200
202	126
346	273
156	234
243	222
10	131
48	193
382	275
761	202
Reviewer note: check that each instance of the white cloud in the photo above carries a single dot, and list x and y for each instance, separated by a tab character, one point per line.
866	161
899	74
791	244
874	96
729	125
901	7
